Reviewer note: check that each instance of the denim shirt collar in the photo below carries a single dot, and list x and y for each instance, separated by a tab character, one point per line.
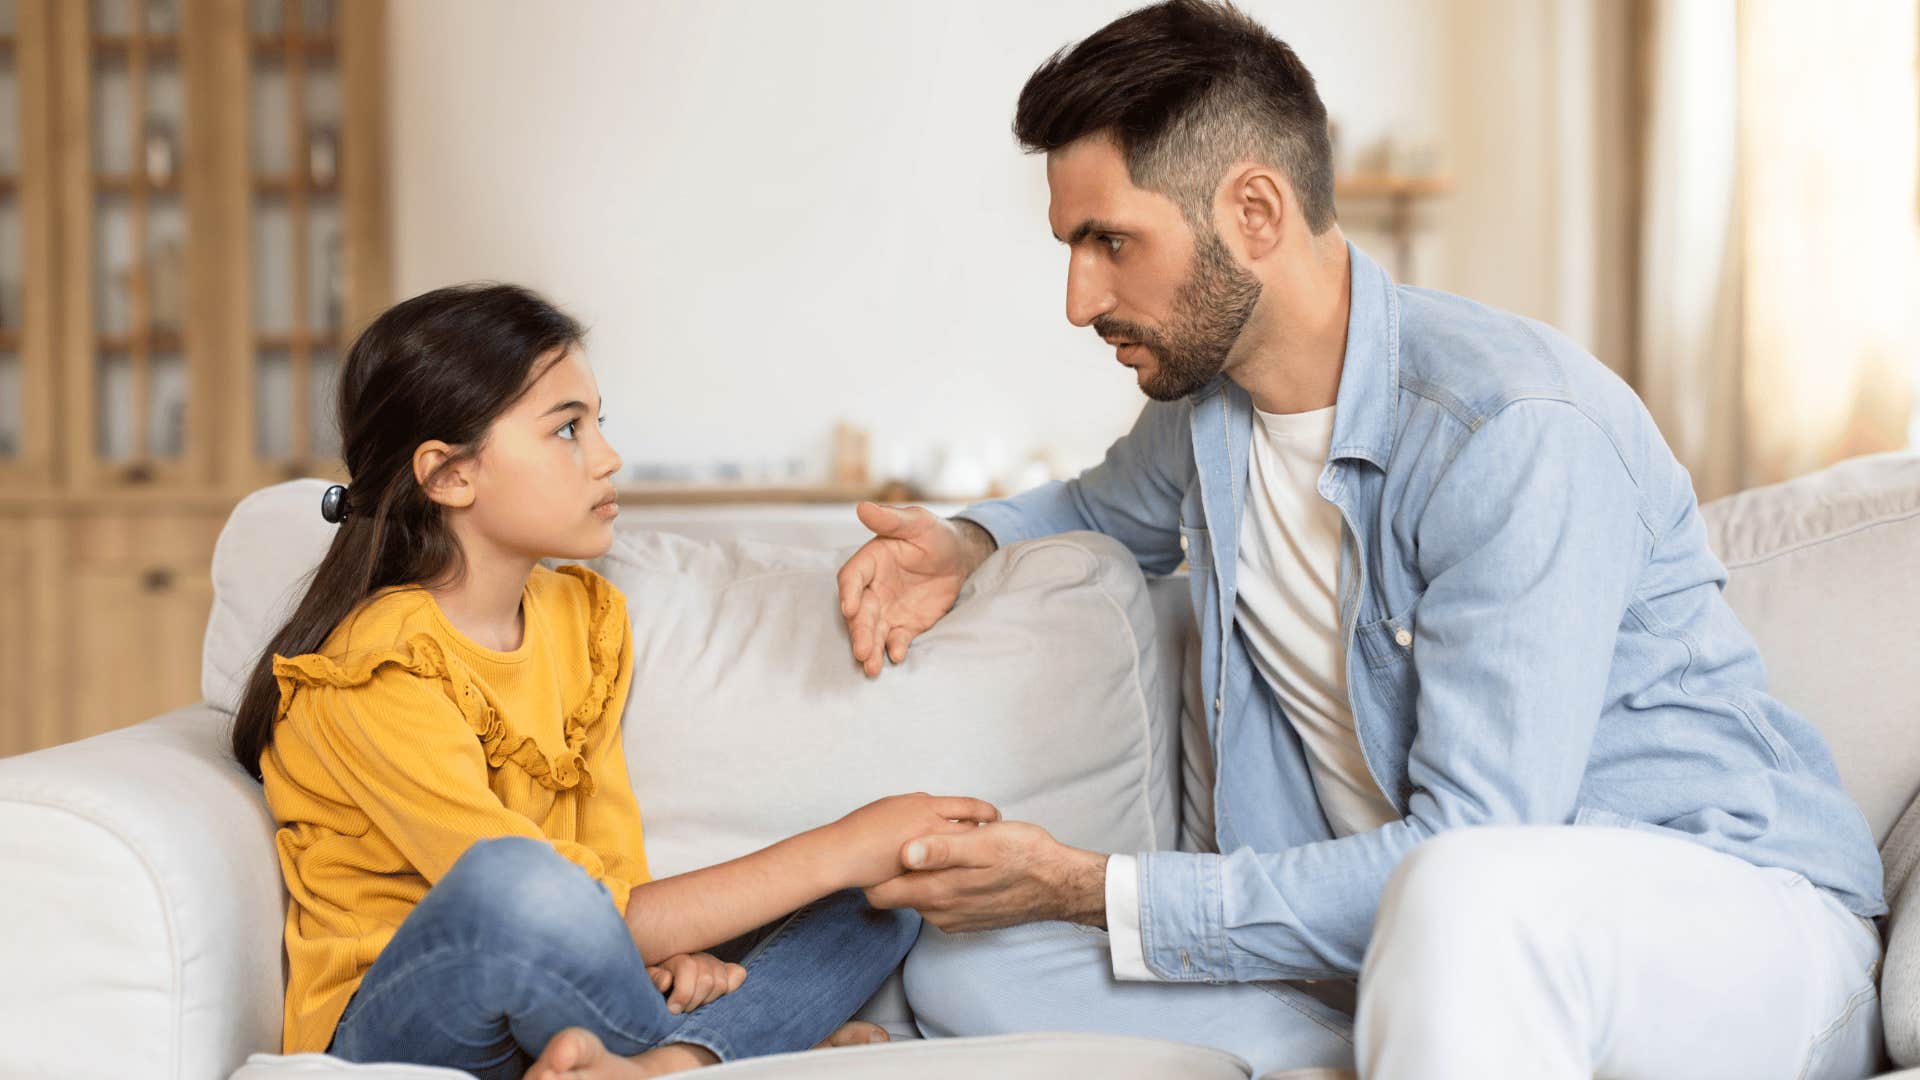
1366	411
1367	407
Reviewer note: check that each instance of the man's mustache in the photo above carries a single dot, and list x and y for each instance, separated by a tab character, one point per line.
1112	330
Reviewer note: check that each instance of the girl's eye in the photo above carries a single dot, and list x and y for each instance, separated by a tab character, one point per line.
566	430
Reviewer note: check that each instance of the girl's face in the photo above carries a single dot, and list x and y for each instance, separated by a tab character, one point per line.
543	481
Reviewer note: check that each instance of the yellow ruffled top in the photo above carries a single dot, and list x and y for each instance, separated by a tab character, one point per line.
401	742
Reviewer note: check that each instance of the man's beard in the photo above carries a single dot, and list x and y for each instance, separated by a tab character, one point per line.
1208	314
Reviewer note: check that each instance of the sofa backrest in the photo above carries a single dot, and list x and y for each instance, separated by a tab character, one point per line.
1825	573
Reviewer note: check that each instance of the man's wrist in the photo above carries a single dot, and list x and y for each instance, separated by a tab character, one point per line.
978	542
1082	888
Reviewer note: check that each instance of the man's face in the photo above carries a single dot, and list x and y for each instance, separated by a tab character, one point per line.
1171	303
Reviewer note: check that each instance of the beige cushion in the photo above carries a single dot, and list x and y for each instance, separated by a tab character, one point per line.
1043	692
1826	575
1044	1056
1040	1056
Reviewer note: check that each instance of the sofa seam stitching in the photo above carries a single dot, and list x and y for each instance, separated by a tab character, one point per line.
1865	526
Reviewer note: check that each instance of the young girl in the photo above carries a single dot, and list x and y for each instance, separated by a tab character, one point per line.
437	728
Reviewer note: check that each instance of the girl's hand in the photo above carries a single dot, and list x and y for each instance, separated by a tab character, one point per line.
694	979
870	840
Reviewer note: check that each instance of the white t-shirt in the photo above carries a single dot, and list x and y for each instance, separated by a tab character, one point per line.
1287	605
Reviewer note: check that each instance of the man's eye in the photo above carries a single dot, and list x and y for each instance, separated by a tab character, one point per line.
1113	244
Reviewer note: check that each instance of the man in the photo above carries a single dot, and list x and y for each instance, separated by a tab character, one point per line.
1485	733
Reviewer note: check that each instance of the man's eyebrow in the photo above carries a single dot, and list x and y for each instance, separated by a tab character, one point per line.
1088	228
565	405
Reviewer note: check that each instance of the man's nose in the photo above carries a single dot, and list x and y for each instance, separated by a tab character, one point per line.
1088	294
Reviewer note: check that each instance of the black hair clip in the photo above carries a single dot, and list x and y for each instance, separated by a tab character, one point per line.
333	504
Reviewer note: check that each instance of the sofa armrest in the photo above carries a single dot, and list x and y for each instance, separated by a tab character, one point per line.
143	903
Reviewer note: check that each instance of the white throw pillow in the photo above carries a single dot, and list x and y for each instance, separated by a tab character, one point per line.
1045	691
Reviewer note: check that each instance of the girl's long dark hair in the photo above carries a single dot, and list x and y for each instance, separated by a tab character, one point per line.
442	365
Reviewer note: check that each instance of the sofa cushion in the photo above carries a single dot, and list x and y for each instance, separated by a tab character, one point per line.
1825	573
1047	1056
1044	691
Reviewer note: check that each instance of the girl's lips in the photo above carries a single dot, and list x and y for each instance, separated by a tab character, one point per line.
608	510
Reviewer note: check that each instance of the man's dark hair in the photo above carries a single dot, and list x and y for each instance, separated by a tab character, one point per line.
1187	89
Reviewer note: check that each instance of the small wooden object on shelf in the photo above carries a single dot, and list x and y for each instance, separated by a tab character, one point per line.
1400	193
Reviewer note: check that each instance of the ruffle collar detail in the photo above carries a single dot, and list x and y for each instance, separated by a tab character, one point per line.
424	655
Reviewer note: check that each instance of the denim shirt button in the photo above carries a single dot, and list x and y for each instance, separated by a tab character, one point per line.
1403	637
1183	543
1218	704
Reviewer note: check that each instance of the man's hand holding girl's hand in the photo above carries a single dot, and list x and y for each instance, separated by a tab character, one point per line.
868	842
690	980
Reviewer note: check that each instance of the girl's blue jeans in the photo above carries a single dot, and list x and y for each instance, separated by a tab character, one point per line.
516	944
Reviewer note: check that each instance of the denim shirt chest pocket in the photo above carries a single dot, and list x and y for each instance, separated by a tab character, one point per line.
1385	647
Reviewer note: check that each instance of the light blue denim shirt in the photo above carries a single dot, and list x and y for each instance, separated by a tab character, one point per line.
1534	626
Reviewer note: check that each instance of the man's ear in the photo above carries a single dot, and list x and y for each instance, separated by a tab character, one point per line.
453	487
1254	208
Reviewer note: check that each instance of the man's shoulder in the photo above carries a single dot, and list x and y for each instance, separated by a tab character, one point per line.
1473	360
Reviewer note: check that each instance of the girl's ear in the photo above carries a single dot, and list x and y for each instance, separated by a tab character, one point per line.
443	478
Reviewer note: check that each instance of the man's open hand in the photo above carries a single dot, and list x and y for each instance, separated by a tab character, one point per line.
904	579
1001	874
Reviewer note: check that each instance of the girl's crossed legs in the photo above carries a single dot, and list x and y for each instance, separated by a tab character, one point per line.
516	944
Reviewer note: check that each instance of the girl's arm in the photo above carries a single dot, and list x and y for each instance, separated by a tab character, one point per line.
699	909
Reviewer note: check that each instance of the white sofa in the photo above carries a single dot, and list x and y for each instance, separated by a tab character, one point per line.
141	921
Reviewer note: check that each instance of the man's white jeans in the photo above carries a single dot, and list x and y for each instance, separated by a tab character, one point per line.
1536	952
1611	952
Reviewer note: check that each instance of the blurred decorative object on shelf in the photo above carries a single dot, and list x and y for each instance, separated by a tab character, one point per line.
263	16
849	463
162	17
9	299
1395	196
159	151
323	156
319	16
336	284
166	286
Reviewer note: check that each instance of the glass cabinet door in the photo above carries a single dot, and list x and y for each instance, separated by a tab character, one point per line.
26	194
130	243
296	157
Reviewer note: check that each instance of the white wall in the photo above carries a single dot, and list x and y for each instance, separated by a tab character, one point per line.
778	215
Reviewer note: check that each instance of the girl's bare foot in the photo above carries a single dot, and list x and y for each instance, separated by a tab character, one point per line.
855	1033
577	1054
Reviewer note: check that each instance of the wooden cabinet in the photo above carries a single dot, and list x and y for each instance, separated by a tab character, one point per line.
135	602
198	226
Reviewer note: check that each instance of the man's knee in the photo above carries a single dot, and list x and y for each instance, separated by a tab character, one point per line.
970	984
1461	879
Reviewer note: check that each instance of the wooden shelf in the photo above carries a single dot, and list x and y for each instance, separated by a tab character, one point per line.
125	183
285	185
277	46
1390	186
667	494
158	46
157	341
285	342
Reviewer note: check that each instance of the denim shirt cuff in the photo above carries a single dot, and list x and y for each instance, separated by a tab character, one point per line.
1182	931
1005	521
